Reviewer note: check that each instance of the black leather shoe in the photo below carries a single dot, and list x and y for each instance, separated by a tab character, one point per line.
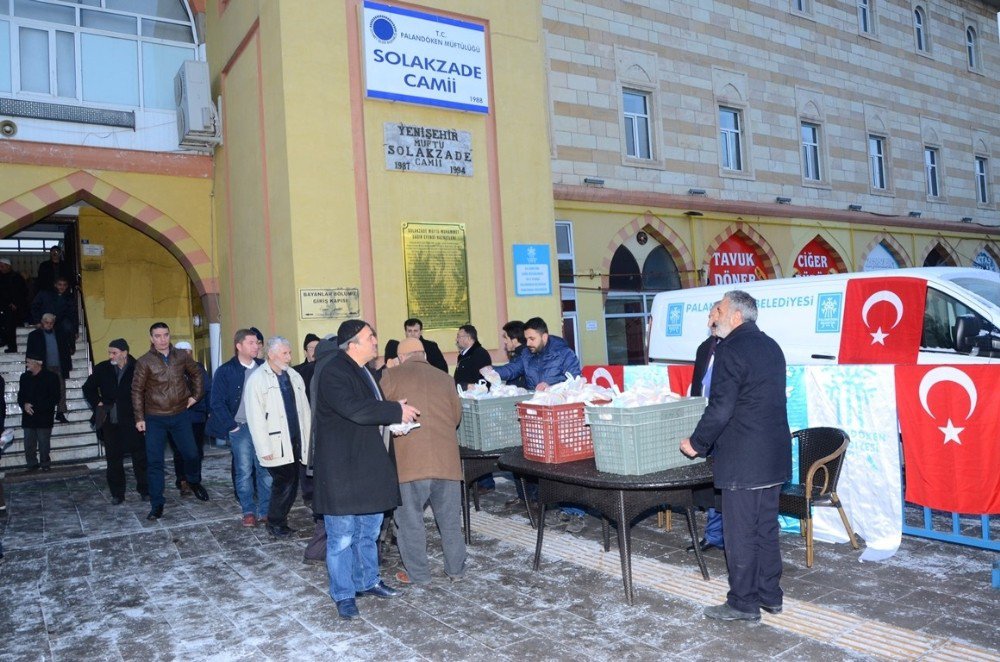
771	609
200	492
282	531
61	418
117	501
155	514
144	497
348	609
704	546
10	350
380	590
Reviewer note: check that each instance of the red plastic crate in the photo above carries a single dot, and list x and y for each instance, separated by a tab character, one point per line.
555	433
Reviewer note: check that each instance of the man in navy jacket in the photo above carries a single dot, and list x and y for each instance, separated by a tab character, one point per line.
745	428
546	362
224	403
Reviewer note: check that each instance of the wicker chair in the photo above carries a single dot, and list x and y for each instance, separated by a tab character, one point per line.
821	456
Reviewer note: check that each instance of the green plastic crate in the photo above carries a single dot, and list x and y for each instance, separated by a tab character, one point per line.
490	424
643	440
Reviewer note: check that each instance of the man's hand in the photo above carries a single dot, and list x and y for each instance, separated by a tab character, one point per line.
391	363
688	449
29	408
409	413
267	457
191	402
486	371
140	426
541	386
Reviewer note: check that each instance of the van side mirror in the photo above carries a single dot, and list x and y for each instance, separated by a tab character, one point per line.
967	328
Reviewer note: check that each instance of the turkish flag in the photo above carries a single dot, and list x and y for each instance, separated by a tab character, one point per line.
607	376
883	320
951	436
680	378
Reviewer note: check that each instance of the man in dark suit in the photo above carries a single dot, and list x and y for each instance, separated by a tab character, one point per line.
413	328
472	357
108	391
13	304
55	346
355	480
701	382
745	428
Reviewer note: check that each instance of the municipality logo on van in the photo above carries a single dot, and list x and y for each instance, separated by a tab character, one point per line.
829	309
675	318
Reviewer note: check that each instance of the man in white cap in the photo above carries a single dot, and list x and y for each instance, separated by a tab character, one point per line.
199	415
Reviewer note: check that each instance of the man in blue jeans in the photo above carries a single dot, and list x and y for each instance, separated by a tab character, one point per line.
167	382
354	477
224	404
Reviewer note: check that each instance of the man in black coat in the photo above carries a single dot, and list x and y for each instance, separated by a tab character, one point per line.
52	269
37	395
745	428
55	346
472	357
108	391
413	328
355	479
13	304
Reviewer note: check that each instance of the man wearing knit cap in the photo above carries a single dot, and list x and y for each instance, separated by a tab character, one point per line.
428	464
108	391
37	396
355	478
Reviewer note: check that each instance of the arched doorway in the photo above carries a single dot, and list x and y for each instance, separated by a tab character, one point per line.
631	289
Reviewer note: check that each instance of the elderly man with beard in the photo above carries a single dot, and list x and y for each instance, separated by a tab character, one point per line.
745	428
355	478
279	420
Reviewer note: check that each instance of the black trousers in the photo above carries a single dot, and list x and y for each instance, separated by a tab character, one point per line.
284	487
198	430
119	440
753	553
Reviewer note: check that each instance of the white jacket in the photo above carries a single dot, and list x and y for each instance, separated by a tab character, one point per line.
266	417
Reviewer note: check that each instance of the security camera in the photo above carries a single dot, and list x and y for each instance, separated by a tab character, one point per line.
8	129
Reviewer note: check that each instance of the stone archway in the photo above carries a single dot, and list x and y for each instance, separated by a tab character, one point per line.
772	268
32	206
944	249
890	244
662	233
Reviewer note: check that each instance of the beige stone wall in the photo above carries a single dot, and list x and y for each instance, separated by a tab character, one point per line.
778	66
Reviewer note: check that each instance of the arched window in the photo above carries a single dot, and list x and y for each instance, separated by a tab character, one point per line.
938	257
625	274
659	272
106	53
970	47
919	33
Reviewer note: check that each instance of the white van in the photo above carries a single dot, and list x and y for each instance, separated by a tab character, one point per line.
806	316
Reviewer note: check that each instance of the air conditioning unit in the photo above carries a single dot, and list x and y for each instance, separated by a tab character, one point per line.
198	125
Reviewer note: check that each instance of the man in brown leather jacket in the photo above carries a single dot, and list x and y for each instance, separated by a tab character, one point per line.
161	396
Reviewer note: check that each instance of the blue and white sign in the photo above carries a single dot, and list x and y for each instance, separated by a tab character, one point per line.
532	273
424	58
829	309
675	319
985	261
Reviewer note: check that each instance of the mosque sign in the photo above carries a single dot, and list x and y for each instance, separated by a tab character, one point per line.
424	58
410	148
329	303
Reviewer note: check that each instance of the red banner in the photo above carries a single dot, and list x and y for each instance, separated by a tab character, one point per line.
883	320
735	261
815	259
951	436
605	375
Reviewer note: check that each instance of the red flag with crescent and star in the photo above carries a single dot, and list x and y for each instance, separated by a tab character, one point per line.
951	436
883	320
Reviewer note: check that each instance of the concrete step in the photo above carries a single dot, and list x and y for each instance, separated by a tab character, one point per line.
60	453
15	362
77	376
73	415
24	330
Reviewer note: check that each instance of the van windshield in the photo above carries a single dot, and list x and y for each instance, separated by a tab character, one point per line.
985	289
